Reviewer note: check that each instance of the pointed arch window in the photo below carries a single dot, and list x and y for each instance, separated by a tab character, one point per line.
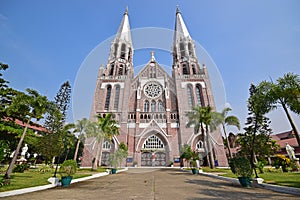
190	95
153	142
117	96
120	72
193	69
112	67
190	47
123	51
115	49
199	94
146	106
160	106
106	145
199	145
107	100
153	106
182	50
184	69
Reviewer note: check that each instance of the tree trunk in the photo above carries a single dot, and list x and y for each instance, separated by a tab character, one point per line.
76	150
98	156
12	163
291	122
211	156
228	146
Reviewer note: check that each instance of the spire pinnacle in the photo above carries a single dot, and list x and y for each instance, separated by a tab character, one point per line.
124	29
177	9
180	27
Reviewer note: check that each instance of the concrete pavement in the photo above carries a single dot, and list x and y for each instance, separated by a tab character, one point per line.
150	183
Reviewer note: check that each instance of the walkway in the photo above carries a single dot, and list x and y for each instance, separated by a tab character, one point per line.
142	183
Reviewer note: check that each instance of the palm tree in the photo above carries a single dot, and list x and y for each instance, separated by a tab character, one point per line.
228	120
205	119
81	127
26	107
287	92
105	128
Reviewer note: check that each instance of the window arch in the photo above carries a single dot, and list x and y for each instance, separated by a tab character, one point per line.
182	50
199	94
190	47
117	96
199	145
146	106
120	72
185	69
190	95
153	106
107	100
106	145
193	69
116	49
123	51
153	142
112	67
160	106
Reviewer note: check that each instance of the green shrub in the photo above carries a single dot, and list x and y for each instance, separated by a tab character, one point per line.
241	166
20	168
260	165
68	167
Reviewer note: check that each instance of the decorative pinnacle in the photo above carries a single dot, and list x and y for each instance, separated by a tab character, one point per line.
152	56
177	9
126	11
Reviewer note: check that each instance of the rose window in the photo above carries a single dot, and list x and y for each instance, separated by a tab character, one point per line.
152	89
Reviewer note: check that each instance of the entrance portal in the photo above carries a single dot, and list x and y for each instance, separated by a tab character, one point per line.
153	159
154	152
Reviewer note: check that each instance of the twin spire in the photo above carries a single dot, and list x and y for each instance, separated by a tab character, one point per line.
124	34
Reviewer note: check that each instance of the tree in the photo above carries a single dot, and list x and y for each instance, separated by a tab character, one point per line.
81	128
206	120
54	120
259	104
286	92
104	128
226	121
25	107
56	116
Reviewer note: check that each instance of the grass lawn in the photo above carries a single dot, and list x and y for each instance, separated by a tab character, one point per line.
33	177
291	179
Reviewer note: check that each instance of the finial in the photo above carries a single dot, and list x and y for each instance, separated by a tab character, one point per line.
126	11
152	56
177	9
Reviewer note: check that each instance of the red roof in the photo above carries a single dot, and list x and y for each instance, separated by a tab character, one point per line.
32	125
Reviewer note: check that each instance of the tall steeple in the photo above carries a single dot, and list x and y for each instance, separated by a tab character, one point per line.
121	51
124	30
184	56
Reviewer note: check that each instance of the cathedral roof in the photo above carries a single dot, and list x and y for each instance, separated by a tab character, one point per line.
180	28
124	29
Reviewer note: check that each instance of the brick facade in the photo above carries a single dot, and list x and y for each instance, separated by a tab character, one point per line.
151	106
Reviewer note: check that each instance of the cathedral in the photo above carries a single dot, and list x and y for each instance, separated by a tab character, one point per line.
151	107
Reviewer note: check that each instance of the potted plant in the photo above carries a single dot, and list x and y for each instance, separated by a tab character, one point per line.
135	163
193	165
118	157
171	164
241	166
66	170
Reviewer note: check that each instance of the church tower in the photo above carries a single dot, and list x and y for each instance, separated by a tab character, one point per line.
194	88
151	107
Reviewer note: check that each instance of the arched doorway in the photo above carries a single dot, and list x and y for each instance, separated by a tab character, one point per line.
153	152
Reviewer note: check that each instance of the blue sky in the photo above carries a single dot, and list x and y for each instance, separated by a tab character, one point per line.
46	42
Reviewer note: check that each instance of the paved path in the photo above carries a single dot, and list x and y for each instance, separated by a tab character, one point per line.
154	184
